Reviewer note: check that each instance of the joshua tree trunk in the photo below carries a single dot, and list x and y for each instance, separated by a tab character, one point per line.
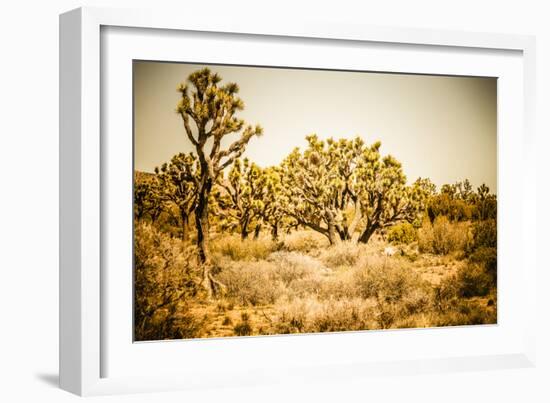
257	231
332	233
201	222
275	232
210	284
244	229
184	226
365	236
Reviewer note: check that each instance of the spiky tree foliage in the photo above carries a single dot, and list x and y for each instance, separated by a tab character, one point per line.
272	212
147	197
427	186
464	190
179	180
486	203
212	108
384	195
459	202
341	187
241	199
311	186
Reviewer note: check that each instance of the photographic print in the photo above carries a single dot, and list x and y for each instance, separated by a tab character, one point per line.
272	201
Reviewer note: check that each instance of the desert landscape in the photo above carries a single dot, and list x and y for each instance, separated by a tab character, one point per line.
334	237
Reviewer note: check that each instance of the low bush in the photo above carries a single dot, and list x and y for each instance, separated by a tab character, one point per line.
487	258
473	281
243	329
386	280
342	254
485	234
403	233
248	249
250	283
443	237
304	241
463	313
164	278
291	266
313	315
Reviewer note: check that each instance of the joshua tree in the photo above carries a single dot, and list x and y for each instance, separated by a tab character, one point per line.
271	210
386	199
147	198
340	187
211	107
242	201
179	180
486	203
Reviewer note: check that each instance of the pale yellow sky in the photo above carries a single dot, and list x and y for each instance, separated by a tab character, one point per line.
439	127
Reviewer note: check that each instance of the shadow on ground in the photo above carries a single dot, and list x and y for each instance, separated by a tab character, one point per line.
49	379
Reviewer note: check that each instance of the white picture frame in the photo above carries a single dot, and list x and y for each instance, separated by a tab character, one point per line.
91	342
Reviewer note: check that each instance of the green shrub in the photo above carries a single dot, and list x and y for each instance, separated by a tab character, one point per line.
403	233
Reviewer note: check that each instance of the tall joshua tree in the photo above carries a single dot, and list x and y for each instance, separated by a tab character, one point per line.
212	108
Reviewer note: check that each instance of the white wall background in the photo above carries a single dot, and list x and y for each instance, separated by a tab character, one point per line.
29	201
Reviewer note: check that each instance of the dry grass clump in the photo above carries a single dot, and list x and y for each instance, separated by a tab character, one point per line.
399	291
386	279
282	274
373	295
463	313
291	266
250	283
243	328
300	274
339	286
313	315
304	241
343	254
443	237
248	249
